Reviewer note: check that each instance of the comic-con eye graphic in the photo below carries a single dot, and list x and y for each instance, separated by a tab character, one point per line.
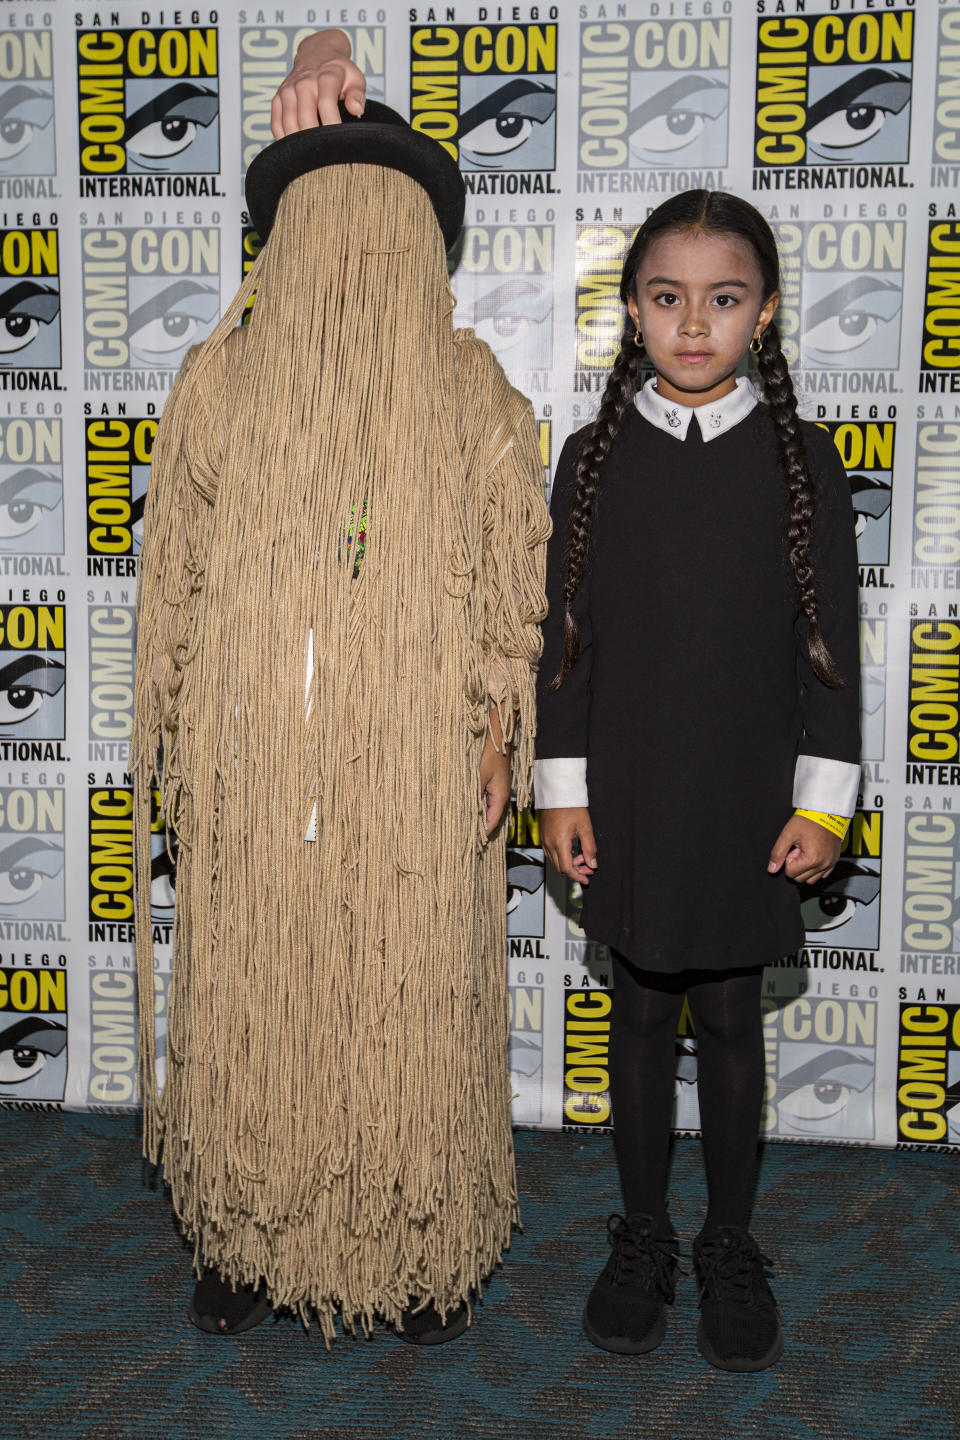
31	690
164	325
685	1052
871	502
873	690
525	891
169	123
574	909
852	324
507	125
136	516
26	130
515	319
829	1093
163	878
684	123
30	883
29	1046
31	510
864	115
27	312
852	887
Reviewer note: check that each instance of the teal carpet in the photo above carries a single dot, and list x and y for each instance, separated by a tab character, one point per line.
94	1285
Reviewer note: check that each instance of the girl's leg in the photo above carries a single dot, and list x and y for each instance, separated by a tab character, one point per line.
626	1309
725	1008
643	1034
739	1326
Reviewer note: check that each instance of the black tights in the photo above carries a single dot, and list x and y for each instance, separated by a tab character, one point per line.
725	1006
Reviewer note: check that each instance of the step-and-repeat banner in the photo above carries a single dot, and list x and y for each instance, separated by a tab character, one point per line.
124	135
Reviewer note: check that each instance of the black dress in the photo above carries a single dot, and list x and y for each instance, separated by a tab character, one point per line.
693	694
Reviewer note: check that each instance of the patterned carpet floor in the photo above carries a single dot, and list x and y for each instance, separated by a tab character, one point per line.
94	1284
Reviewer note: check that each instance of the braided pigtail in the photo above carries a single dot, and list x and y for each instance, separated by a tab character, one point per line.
595	447
782	400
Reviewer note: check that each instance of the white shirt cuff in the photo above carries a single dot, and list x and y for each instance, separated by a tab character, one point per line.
560	784
830	786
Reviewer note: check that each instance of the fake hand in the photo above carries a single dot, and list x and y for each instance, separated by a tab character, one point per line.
494	783
805	850
322	75
559	828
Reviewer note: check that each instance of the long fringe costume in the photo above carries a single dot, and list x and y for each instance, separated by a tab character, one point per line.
336	1112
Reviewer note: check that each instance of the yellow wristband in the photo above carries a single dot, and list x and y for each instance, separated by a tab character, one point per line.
837	824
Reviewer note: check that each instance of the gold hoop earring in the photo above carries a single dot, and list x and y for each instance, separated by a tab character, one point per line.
756	345
638	338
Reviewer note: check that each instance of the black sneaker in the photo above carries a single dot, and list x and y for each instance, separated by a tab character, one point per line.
625	1310
428	1327
739	1323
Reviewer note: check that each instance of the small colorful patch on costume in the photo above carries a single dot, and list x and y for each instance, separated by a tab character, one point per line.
361	544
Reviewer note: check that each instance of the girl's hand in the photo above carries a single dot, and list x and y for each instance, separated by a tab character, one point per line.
494	782
322	75
558	830
806	851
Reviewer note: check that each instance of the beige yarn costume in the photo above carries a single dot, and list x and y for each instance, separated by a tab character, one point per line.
335	1117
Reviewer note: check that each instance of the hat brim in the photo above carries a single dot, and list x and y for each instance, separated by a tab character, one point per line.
372	140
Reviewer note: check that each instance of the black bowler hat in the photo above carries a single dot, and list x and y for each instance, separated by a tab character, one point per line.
378	137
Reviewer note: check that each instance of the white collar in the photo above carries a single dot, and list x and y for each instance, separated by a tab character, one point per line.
715	419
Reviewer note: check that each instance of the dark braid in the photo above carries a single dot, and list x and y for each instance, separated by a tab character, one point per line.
782	401
622	385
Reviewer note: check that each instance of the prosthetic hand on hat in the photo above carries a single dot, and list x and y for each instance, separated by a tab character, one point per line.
322	77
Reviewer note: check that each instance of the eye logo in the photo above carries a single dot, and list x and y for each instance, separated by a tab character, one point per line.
29	299
654	93
834	90
873	686
504	288
866	448
31	486
842	293
31	510
525	892
166	323
487	93
31	883
27	139
834	902
26	130
844	121
526	1053
510	118
149	294
831	1093
32	672
849	898
33	1034
149	101
821	1060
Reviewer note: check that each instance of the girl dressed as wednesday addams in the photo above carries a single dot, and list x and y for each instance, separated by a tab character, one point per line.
698	740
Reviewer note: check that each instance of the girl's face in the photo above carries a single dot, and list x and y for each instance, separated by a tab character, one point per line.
698	301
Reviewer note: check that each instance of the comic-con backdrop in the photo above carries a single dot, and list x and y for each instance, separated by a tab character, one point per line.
124	135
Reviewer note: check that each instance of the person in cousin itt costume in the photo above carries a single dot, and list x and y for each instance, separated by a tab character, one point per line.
341	584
